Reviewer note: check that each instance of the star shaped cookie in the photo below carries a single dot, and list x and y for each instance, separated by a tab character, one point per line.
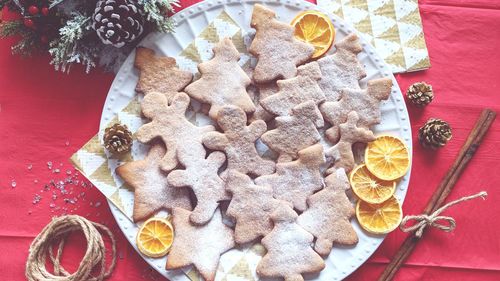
151	189
199	245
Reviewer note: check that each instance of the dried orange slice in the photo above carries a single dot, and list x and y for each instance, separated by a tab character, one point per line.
379	218
387	157
370	188
316	29
155	237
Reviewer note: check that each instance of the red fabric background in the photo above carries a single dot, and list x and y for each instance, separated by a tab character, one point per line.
41	109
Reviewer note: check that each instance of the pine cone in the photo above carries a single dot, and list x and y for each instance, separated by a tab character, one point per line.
420	94
434	134
117	22
117	139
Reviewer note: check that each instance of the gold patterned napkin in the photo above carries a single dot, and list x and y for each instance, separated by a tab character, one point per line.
393	27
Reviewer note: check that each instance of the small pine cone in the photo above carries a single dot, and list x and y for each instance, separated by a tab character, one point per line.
117	139
117	22
420	94
434	134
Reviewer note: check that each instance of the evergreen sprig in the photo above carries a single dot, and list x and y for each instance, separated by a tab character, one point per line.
67	49
156	10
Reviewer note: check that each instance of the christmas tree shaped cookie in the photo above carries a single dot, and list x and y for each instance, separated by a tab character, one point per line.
350	133
294	91
199	245
238	141
365	102
289	253
159	74
222	81
295	181
201	176
274	45
251	206
151	189
294	132
329	213
341	69
170	124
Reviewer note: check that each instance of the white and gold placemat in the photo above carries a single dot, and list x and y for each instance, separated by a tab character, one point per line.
393	27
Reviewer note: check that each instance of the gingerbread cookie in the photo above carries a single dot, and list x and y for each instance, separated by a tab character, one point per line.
365	102
201	176
170	124
289	253
222	81
350	133
277	50
151	189
295	181
295	132
238	141
294	91
159	74
329	213
251	207
199	245
341	69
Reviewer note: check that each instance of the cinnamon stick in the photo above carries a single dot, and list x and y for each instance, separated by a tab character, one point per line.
444	188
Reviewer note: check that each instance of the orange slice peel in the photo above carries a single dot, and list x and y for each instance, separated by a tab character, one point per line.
315	28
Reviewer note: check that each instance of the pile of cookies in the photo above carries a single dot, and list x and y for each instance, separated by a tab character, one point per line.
295	200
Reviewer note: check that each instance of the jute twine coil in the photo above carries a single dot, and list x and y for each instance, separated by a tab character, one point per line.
55	233
435	220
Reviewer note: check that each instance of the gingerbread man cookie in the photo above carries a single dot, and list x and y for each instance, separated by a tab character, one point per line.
151	189
275	46
295	132
294	91
295	181
365	102
170	124
329	213
223	81
199	245
289	253
350	133
251	207
341	69
238	141
201	176
159	74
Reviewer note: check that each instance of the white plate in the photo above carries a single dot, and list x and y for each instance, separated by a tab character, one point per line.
343	260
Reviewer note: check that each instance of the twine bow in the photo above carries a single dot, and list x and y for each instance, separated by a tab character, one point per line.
444	223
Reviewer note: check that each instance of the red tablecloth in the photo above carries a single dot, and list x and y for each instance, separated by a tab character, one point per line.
46	116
